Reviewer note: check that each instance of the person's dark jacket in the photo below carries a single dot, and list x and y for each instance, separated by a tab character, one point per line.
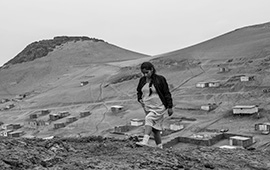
162	88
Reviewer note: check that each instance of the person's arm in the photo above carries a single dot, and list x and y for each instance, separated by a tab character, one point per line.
139	91
168	97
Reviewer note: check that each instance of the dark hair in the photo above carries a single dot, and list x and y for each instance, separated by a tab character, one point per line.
148	66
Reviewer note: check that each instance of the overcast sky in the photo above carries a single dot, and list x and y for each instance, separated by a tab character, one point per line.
147	26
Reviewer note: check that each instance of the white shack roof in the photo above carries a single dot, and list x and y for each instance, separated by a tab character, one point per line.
137	120
239	137
244	106
117	106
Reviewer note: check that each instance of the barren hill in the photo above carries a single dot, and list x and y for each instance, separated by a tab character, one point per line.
53	82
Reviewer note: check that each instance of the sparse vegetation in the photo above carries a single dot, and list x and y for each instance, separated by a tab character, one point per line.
41	48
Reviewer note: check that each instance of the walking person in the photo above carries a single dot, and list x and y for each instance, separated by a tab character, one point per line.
154	96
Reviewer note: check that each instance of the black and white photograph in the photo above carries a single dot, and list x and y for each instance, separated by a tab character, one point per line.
134	85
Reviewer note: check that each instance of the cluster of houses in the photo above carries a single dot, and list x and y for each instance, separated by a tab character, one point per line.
135	123
10	130
10	105
35	123
69	119
213	84
7	107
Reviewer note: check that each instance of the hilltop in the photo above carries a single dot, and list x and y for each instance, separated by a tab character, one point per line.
41	48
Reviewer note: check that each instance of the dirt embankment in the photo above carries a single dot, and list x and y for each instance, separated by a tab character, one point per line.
106	153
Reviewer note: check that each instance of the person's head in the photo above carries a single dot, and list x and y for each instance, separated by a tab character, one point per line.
148	69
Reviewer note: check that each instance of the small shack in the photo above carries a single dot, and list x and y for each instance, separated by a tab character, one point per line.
245	109
83	83
71	119
35	123
5	133
136	122
244	78
54	116
223	69
264	128
209	106
117	108
85	113
121	129
64	114
16	134
11	126
20	96
202	84
247	78
240	141
60	115
33	116
59	125
45	112
176	126
214	84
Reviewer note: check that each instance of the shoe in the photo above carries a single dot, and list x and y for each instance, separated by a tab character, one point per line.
160	146
144	141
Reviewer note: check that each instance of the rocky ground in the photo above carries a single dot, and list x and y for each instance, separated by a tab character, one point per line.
108	153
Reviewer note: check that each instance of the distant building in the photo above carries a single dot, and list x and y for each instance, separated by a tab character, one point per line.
54	116
247	78
240	141
136	122
71	119
44	112
64	114
5	133
16	133
244	78
214	84
35	123
202	84
263	127
33	116
85	113
60	115
223	69
117	108
20	96
176	126
121	129
83	83
59	125
11	126
245	109
208	107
